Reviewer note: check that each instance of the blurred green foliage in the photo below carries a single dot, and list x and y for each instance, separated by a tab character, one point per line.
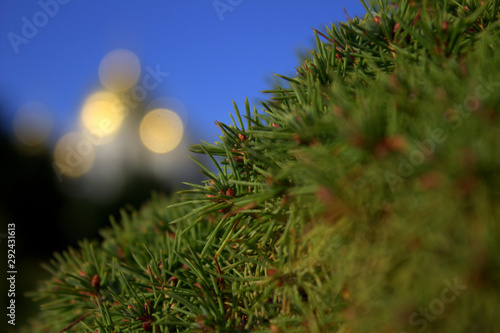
363	198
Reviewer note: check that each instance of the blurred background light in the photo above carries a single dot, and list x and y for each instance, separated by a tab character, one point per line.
119	70
161	130
102	115
170	103
74	155
32	123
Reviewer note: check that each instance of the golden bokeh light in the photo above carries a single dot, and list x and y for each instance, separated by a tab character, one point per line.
102	115
32	123
119	70
74	155
161	130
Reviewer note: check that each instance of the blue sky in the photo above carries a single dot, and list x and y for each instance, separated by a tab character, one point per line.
211	57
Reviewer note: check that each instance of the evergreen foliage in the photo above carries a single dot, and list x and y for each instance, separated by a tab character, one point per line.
363	197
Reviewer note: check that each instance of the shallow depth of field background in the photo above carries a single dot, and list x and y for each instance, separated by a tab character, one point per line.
99	100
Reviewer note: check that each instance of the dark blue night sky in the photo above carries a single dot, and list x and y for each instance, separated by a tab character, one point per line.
214	51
